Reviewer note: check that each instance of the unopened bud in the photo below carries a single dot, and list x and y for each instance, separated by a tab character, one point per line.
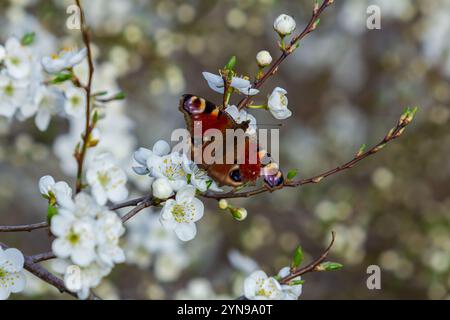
263	58
239	213
223	204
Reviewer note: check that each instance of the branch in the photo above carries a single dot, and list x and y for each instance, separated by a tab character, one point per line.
44	225
311	26
43	257
24	227
144	204
80	155
394	133
310	267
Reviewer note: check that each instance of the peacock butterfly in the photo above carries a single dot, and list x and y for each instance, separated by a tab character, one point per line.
247	164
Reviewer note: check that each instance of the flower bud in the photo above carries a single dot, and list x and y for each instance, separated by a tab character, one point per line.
162	188
284	25
263	58
239	213
223	204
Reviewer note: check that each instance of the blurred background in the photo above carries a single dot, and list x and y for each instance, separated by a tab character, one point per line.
347	85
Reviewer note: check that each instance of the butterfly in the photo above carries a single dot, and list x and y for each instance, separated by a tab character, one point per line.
246	167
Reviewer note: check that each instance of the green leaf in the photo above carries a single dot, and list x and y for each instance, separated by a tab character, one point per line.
51	212
298	258
329	266
100	93
119	96
231	63
296	282
61	77
28	38
291	174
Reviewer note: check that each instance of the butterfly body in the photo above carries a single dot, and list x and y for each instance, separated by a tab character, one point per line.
248	163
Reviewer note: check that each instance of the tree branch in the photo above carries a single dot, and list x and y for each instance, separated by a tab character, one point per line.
310	267
317	11
394	133
80	155
24	227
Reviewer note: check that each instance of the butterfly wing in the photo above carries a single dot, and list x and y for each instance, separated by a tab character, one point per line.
200	112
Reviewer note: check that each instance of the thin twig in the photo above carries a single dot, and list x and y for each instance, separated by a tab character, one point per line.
80	155
392	135
146	203
44	225
43	257
310	267
24	227
288	50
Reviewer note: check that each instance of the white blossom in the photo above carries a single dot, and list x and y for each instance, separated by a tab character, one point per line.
169	167
198	177
67	58
12	94
258	286
291	292
160	148
169	265
263	58
109	229
59	192
278	104
48	102
284	24
240	116
162	188
75	104
87	239
107	180
16	58
181	214
75	237
216	83
12	277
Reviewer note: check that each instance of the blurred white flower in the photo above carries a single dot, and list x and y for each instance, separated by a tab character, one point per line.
47	102
278	104
89	277
75	104
162	188
12	94
109	229
12	277
66	59
181	214
291	292
240	116
107	180
258	286
169	265
263	58
243	263
216	83
58	192
16	58
284	24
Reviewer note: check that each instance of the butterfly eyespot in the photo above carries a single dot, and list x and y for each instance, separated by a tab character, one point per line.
195	105
235	175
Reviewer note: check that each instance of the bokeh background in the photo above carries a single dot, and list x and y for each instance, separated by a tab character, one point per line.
347	85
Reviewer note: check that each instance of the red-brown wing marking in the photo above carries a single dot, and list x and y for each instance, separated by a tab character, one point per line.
195	110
